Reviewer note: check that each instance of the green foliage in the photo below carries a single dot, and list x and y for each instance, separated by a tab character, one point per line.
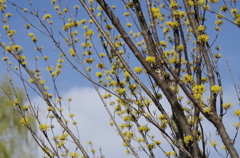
13	135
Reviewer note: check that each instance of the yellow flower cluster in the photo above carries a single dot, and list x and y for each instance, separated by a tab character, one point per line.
128	134
89	32
207	110
173	25
201	28
213	1
227	105
179	14
109	27
216	88
150	59
60	143
99	74
13	48
24	121
105	96
191	3
180	47
214	143
63	136
188	78
166	30
156	12
199	89
188	139
201	2
203	38
237	112
164	43
138	70
47	16
143	128
157	142
129	24
173	5
151	146
163	121
237	124
43	127
74	154
72	52
121	91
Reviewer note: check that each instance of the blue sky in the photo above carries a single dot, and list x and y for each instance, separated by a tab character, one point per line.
91	116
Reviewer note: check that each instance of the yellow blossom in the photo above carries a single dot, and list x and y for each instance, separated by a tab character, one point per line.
157	142
203	38
63	137
162	117
143	128
237	21
168	153
129	24
237	124
237	112
191	3
126	14
180	47
50	108
6	27
207	110
216	88
99	74
204	79
102	55
60	143
201	2
214	143
173	5
164	43
16	48
201	28
227	105
219	22
151	146
150	59
199	89
213	1
74	154
93	150
109	27
24	121
218	55
47	16
224	8
138	69
89	32
8	48
71	115
26	107
130	5
188	139
43	127
65	10
5	58
42	82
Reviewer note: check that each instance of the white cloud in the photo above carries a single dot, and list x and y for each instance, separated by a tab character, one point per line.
93	122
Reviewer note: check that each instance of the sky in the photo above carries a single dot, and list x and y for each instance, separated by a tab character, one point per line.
90	113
